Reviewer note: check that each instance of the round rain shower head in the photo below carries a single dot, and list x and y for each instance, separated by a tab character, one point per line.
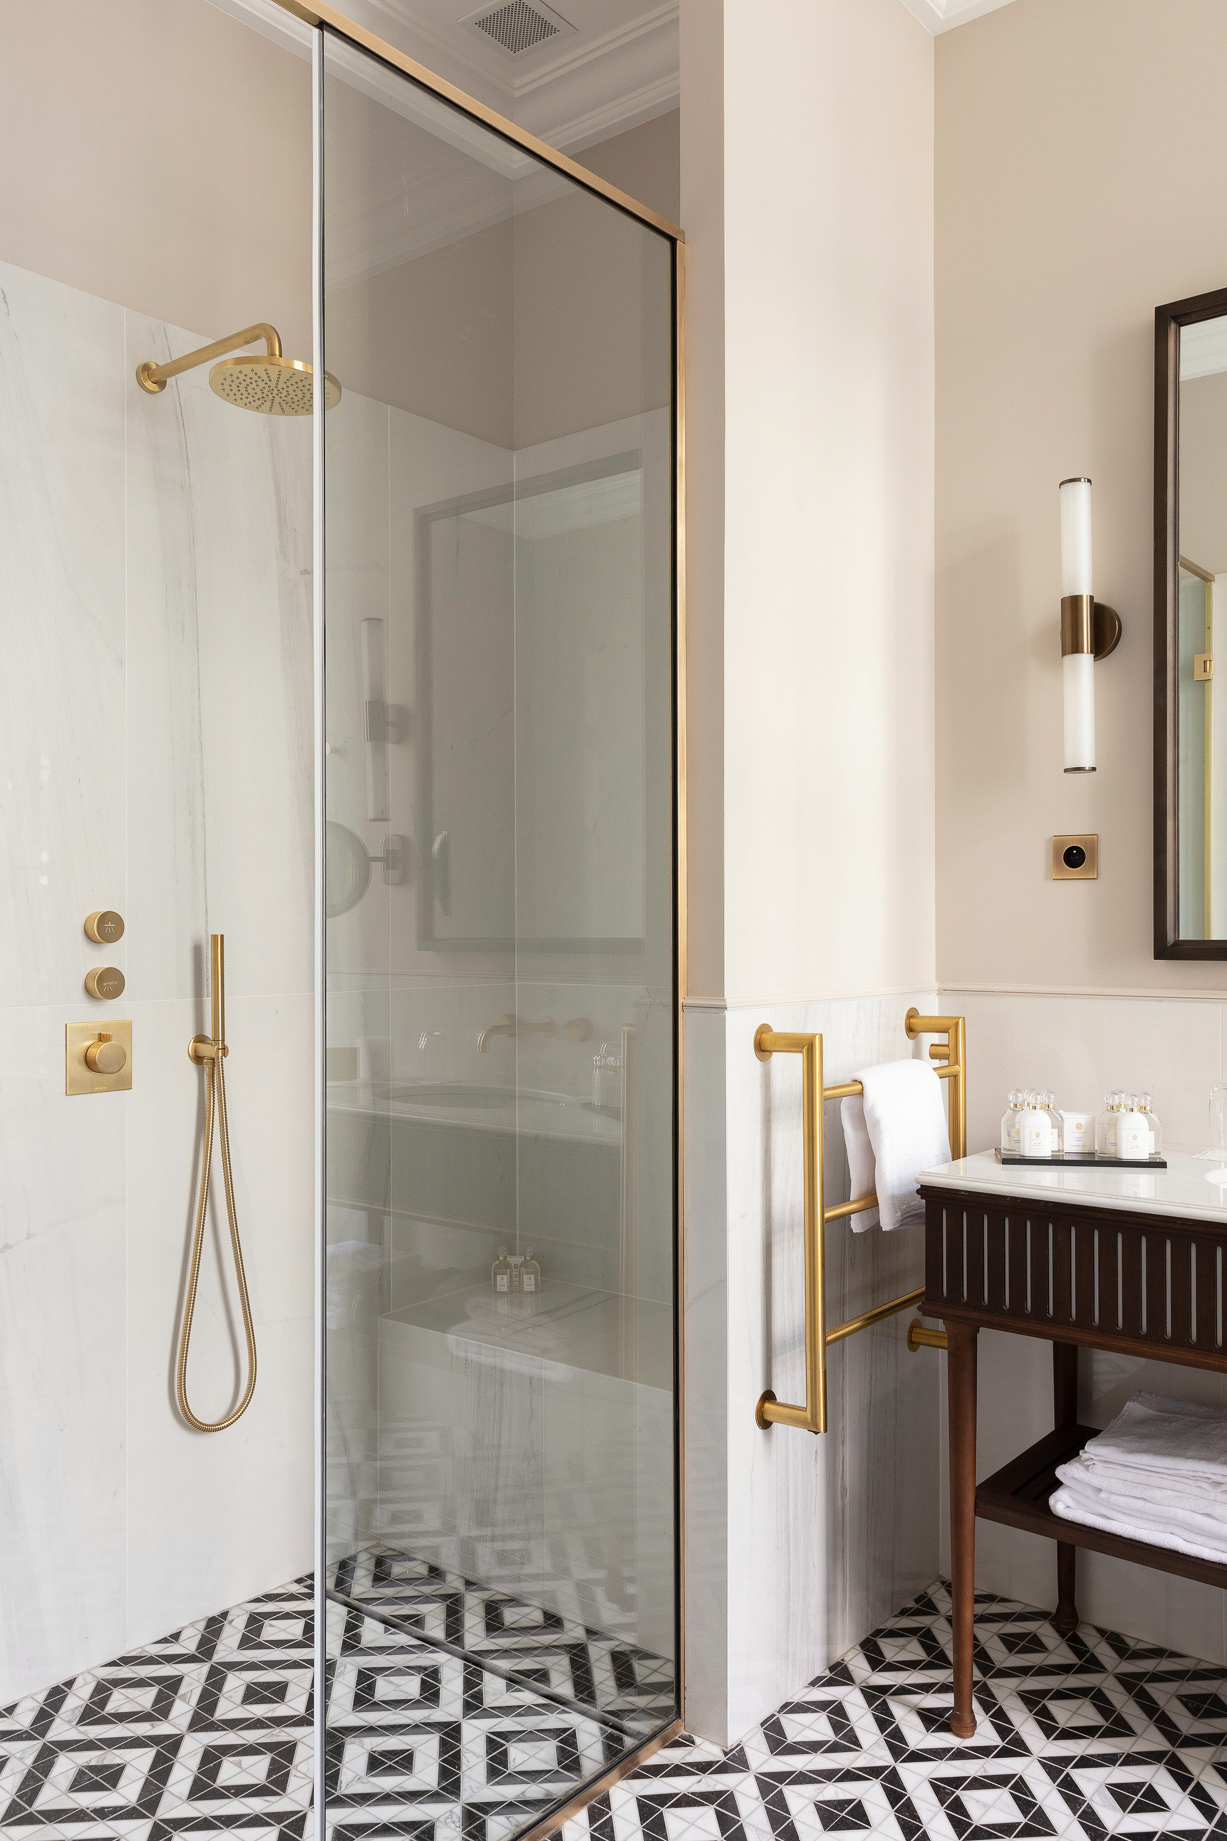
271	385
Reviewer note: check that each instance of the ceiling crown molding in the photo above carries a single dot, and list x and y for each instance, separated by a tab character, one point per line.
944	15
659	19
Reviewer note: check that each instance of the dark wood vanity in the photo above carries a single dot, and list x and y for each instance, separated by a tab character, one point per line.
1083	1258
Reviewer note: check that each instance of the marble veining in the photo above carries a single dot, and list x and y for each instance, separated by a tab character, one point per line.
833	1530
155	745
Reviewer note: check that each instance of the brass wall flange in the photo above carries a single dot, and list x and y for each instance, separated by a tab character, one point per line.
1088	625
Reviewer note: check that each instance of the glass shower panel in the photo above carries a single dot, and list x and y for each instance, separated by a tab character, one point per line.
500	965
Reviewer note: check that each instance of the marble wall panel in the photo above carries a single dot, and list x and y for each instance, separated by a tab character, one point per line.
239	1501
155	749
62	820
63	1331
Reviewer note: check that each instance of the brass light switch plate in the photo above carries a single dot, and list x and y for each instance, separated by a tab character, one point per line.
1075	859
78	1076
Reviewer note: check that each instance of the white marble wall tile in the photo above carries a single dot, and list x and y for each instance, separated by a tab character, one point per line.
62	1361
62	688
219	688
212	1516
833	1530
184	800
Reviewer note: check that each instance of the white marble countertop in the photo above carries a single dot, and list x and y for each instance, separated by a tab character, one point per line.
1185	1188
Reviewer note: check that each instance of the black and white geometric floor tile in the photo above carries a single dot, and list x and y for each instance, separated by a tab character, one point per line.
1079	1737
626	1682
208	1733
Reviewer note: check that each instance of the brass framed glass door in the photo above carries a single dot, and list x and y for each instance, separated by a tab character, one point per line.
501	890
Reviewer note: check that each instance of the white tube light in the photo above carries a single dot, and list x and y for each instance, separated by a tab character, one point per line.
1077	626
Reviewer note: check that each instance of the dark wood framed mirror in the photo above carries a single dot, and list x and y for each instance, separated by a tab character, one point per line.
1190	708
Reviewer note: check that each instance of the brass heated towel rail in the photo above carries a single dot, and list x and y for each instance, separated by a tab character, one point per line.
952	1054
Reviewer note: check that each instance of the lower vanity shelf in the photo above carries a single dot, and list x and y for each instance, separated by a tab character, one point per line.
1018	1494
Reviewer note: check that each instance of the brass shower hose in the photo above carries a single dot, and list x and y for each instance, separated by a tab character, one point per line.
209	1053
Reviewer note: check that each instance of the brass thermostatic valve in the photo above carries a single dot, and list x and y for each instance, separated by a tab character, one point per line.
1075	859
104	926
106	1056
97	1060
105	981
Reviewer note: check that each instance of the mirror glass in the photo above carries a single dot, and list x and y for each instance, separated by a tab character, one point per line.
1201	702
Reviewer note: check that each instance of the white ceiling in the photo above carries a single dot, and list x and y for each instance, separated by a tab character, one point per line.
619	68
941	15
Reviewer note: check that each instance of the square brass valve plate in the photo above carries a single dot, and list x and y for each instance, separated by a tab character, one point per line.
78	1078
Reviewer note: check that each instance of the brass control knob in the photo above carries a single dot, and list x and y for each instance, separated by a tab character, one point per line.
105	1056
105	926
105	981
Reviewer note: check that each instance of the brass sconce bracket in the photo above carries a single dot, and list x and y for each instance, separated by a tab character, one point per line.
1088	625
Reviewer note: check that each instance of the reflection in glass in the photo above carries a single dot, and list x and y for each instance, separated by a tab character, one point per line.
1201	713
498	493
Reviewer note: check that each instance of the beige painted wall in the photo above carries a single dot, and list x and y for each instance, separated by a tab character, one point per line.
807	197
1080	153
158	154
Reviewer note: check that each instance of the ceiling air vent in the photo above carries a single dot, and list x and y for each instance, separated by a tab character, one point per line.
516	26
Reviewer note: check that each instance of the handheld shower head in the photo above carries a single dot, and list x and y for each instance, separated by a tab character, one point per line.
269	385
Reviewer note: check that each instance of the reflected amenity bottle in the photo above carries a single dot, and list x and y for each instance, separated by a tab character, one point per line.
1106	1125
530	1279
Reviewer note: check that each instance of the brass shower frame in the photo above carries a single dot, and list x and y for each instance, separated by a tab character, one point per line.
320	16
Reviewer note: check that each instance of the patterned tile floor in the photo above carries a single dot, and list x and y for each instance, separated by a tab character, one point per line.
1079	1737
209	1733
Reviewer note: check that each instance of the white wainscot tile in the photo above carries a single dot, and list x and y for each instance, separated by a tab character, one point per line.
62	539
1169	1049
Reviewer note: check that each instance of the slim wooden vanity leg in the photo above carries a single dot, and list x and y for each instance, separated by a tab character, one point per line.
1065	1412
961	1347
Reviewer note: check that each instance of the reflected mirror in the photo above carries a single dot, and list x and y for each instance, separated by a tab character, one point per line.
531	608
1190	585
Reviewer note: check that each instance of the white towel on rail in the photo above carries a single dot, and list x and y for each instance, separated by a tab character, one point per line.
902	1119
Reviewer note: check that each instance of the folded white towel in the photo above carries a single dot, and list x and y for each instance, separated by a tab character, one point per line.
1170	1517
902	1119
1075	1505
1159	1486
1165	1439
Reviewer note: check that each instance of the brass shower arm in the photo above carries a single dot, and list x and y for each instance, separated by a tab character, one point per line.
152	377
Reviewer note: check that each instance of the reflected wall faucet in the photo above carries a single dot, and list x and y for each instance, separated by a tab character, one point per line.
576	1028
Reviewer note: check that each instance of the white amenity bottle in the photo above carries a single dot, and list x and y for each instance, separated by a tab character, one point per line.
1055	1119
1011	1119
1036	1130
1152	1120
1132	1130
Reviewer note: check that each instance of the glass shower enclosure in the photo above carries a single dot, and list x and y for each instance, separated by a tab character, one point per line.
497	501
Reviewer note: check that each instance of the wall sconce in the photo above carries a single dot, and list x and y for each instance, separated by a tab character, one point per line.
1089	629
